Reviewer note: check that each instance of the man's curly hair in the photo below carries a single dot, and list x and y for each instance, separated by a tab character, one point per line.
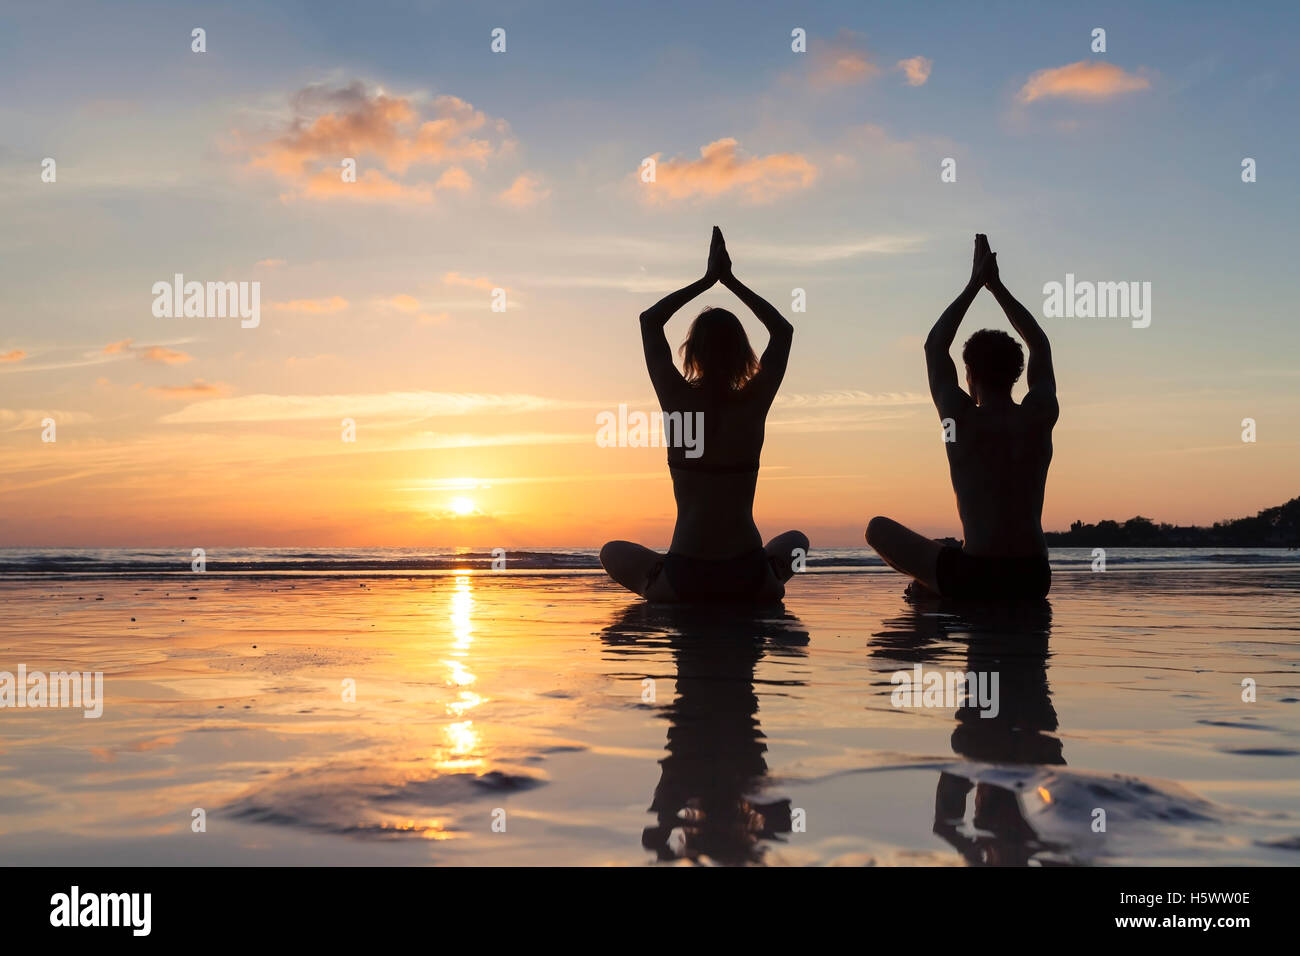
994	358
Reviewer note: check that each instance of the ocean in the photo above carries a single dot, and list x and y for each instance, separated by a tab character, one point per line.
345	561
374	707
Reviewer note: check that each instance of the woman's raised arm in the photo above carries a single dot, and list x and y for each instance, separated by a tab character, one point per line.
780	333
658	353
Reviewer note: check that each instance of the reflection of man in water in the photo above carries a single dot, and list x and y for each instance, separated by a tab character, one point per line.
1014	643
1011	640
706	798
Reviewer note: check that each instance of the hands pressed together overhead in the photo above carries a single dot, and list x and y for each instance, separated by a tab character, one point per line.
984	268
719	268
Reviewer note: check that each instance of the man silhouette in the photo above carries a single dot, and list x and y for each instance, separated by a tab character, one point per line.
998	455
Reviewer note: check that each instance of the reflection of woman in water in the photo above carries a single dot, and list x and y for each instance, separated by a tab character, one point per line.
709	803
716	551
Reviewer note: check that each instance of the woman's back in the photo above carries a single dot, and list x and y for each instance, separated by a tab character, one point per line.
715	489
728	394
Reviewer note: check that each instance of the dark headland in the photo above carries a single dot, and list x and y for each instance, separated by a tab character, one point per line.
1277	527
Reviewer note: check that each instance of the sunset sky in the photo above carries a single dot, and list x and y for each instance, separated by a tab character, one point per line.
519	170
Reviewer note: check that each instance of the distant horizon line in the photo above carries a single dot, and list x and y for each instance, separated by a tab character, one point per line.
1292	503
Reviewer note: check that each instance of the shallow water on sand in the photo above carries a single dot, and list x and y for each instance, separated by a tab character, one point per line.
554	719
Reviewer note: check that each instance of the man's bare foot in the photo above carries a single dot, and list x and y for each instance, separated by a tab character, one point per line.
917	591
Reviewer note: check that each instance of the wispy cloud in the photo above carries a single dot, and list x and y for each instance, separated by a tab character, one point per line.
163	356
863	421
414	406
18	419
783	254
320	306
467	440
410	406
410	305
1093	80
472	282
667	253
196	389
94	359
842	61
14	355
468	484
113	352
835	250
1243	447
850	398
158	354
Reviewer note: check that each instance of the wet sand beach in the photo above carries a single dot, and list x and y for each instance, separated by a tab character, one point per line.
536	718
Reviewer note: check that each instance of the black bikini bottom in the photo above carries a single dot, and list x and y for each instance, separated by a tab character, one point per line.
992	578
730	579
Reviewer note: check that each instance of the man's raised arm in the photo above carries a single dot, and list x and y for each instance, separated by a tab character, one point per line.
944	388
1039	373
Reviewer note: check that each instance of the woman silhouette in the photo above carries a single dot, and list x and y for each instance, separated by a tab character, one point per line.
716	551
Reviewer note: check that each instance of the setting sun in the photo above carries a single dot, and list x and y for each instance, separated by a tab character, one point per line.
461	506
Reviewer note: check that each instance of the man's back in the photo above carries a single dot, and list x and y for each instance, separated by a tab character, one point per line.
998	465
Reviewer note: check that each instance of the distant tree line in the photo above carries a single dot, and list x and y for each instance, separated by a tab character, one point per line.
1277	527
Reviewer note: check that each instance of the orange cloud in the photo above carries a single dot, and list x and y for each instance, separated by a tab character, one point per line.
270	263
917	69
841	62
149	353
454	178
1085	80
721	169
163	356
527	190
455	278
196	389
312	306
371	186
16	355
327	125
405	303
410	305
